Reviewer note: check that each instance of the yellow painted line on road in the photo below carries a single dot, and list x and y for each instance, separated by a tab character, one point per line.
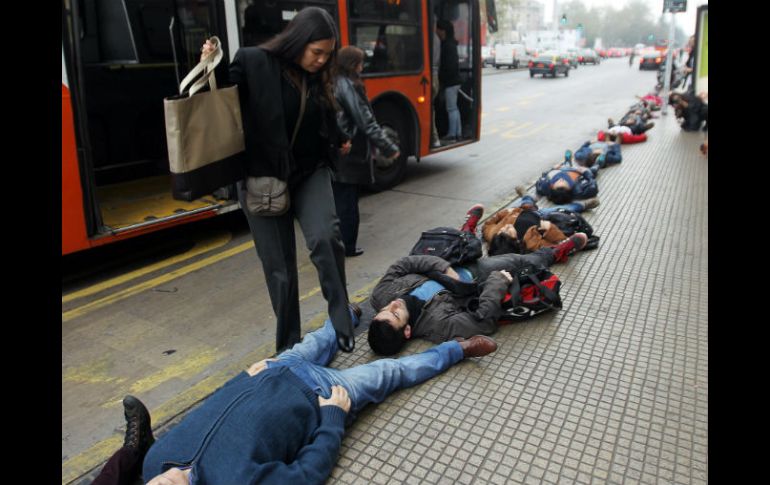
99	452
531	132
200	247
510	133
123	294
92	373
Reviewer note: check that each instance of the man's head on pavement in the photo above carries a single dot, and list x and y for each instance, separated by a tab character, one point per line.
560	194
390	328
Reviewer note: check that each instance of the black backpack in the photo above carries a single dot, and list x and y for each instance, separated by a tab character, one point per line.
570	222
449	244
534	290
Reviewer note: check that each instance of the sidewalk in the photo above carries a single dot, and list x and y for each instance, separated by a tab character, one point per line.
611	389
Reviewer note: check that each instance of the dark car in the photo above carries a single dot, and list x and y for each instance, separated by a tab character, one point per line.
552	64
650	60
588	55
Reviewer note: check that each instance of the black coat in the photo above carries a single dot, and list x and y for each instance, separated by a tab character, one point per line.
449	68
356	121
258	76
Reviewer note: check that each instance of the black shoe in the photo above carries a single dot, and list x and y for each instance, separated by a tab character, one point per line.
354	253
138	427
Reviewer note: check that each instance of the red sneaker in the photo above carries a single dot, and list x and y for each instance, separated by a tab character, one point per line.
569	246
472	218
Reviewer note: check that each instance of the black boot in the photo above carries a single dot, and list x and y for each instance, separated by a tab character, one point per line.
138	427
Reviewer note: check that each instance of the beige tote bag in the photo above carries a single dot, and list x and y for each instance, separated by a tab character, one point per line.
204	132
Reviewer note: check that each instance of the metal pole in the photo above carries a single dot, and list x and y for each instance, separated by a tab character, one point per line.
669	66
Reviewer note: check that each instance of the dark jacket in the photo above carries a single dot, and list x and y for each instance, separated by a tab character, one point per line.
356	121
258	76
445	316
583	183
449	69
265	429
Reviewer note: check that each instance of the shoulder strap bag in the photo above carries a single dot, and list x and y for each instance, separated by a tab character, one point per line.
269	196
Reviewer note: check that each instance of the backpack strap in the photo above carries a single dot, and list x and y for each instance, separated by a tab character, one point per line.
549	293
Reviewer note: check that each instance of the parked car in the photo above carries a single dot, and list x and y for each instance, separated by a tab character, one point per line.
487	55
650	60
602	53
615	52
552	64
511	55
588	55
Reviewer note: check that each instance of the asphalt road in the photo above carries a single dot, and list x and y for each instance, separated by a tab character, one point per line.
172	318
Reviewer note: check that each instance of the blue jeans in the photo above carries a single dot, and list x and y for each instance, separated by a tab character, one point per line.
455	123
367	383
573	206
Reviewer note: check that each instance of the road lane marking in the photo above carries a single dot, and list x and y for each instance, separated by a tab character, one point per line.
531	132
200	247
509	133
123	294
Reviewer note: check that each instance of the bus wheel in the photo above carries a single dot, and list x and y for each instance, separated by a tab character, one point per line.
387	173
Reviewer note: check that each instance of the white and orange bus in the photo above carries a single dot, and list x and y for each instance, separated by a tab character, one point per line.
120	58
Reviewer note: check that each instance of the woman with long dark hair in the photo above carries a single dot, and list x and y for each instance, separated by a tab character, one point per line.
270	79
356	120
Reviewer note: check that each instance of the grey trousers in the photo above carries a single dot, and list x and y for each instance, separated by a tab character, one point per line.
482	267
312	204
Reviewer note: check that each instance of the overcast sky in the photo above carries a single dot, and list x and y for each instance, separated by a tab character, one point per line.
684	20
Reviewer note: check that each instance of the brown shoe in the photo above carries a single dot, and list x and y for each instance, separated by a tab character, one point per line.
478	346
355	308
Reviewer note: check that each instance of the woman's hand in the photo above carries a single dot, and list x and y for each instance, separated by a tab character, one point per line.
207	49
173	476
338	398
398	154
346	147
507	275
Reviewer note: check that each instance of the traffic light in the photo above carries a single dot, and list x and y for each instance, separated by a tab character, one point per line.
564	19
651	37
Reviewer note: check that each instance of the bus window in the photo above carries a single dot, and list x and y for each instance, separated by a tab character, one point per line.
260	20
389	33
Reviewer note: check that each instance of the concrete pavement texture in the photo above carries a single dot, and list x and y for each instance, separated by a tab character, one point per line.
613	388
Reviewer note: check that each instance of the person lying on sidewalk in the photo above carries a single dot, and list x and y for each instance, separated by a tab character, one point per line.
620	134
282	420
565	183
423	296
599	154
501	231
634	120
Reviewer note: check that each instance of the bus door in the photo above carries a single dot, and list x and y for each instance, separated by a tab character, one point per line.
465	17
129	55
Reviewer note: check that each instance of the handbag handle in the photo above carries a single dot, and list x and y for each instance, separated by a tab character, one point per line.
206	66
303	95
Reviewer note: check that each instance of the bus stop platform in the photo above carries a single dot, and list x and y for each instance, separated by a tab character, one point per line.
612	388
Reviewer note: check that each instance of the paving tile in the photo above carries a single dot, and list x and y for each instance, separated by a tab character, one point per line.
613	388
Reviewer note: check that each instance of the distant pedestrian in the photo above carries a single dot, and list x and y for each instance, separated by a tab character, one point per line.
631	59
356	120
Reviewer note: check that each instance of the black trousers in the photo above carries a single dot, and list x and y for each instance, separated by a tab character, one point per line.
123	468
312	204
346	202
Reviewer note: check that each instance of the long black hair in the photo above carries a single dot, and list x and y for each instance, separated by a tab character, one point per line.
348	60
311	24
